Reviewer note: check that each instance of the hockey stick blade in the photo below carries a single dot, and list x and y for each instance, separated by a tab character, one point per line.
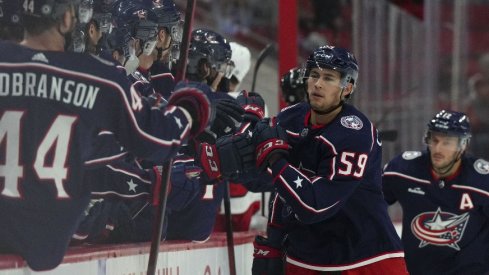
263	54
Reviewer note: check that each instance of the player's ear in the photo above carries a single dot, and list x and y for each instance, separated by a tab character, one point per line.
348	89
92	29
162	35
67	22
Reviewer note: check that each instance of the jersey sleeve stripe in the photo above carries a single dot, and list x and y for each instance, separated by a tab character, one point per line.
116	87
396	174
125	172
470	188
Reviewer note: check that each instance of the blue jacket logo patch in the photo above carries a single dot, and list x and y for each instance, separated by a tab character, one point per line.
352	122
439	228
481	166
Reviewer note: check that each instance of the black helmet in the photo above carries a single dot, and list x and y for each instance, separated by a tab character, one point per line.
292	84
334	58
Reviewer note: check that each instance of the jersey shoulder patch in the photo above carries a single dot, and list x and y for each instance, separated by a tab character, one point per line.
352	122
481	166
409	155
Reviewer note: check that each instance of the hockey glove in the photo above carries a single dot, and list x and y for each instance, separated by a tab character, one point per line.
228	158
227	117
267	260
197	105
253	105
271	143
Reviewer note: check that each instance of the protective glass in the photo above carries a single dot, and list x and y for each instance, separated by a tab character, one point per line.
176	32
105	22
226	68
78	40
174	54
131	62
149	46
85	11
327	77
442	142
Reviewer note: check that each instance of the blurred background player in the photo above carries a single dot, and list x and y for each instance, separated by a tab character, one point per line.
10	21
244	204
167	50
329	214
208	67
69	98
241	60
293	88
191	210
444	196
90	37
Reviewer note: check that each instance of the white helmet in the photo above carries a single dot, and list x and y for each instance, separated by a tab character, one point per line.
241	57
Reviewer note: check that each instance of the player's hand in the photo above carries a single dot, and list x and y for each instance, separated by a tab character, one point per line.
230	157
227	117
267	260
215	83
195	102
254	106
270	142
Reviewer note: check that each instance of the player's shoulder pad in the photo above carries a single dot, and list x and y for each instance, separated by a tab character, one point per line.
354	120
405	162
293	112
480	166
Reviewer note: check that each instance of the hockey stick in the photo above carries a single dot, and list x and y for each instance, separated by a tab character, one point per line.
160	216
263	54
229	230
166	170
187	31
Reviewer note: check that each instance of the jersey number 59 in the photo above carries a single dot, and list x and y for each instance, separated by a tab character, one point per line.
352	164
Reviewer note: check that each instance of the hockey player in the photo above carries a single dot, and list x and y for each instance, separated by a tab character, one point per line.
241	59
167	49
208	68
53	105
444	196
324	158
191	210
90	37
244	204
292	85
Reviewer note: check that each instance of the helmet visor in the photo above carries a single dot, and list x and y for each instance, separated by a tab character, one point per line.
85	11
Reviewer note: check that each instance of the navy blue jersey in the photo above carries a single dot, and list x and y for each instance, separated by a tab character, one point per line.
334	213
52	106
196	221
445	221
162	79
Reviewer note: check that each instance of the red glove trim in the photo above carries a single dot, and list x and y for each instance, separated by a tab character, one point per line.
265	148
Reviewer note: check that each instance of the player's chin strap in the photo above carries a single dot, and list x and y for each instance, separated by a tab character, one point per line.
447	168
159	51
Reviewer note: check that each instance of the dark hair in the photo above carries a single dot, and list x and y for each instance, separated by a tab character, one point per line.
12	33
34	25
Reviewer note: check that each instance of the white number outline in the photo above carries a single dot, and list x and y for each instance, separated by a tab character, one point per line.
57	140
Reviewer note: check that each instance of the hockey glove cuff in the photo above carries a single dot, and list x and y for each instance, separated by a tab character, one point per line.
197	105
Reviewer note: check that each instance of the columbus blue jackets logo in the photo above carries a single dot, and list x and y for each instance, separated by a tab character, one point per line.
439	228
409	155
481	166
352	122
